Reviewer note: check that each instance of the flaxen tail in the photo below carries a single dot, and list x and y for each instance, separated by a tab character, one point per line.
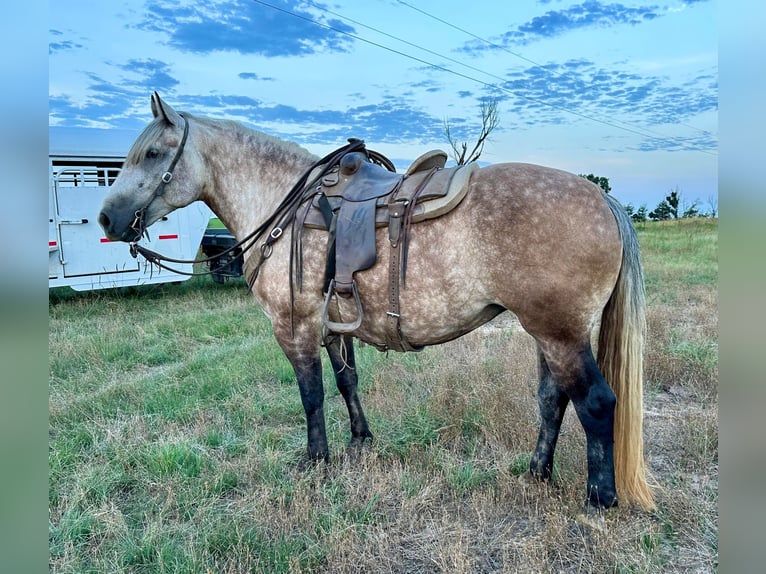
620	357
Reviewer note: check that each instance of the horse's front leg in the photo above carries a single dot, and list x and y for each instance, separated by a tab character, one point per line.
341	352
302	351
308	371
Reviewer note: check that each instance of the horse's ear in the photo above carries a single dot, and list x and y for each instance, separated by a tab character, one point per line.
163	110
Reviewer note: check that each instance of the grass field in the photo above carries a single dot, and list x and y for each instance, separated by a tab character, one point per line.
176	435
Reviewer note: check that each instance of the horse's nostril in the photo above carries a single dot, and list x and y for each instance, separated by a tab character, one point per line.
103	220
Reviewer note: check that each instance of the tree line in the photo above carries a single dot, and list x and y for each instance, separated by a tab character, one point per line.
672	207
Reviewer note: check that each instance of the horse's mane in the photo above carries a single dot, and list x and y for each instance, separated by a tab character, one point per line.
274	145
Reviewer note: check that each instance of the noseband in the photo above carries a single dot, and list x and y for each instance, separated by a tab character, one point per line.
139	223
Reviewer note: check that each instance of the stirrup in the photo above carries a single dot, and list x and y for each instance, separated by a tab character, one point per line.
337	327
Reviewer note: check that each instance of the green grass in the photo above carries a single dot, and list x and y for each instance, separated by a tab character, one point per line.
677	254
215	223
681	271
177	436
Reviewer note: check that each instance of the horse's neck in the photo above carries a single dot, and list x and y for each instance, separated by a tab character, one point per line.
250	174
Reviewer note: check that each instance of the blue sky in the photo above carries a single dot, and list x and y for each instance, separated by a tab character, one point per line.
626	90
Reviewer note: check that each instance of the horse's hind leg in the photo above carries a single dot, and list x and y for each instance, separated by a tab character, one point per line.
575	370
553	402
341	352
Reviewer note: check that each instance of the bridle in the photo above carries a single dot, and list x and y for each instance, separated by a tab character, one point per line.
139	223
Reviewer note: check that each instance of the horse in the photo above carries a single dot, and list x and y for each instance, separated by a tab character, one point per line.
549	246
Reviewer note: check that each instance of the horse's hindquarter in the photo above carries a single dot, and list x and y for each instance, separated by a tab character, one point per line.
538	241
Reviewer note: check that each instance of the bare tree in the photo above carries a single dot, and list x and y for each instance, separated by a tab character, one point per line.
489	121
712	201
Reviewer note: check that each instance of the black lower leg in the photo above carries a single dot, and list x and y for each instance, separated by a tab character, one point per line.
553	402
309	375
595	409
341	352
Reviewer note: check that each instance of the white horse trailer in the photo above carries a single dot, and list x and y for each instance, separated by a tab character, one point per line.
83	163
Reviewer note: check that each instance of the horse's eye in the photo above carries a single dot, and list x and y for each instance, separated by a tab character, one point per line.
152	153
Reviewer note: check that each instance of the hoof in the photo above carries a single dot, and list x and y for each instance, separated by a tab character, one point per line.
607	499
307	463
357	446
592	518
360	442
528	479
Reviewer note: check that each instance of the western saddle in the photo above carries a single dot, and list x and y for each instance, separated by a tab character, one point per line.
358	195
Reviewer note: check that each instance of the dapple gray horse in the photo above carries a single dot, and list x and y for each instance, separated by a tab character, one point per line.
545	244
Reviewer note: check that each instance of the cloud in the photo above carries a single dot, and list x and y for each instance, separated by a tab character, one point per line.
54	47
390	119
697	142
114	102
246	27
61	45
107	101
254	76
589	14
428	85
153	74
567	92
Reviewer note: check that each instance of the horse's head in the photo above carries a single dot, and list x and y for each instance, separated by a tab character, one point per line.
162	172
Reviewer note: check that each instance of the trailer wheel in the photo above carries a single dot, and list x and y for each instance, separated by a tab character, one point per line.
226	267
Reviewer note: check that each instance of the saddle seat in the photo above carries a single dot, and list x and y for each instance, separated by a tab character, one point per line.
356	197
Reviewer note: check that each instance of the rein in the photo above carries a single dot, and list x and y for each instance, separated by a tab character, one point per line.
283	216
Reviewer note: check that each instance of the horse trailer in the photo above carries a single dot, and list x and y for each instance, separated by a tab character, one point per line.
83	163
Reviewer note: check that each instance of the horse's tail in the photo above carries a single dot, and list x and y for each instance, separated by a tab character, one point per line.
620	358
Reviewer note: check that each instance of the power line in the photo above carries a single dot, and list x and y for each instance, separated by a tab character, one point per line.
459	29
379	31
645	133
512	53
648	132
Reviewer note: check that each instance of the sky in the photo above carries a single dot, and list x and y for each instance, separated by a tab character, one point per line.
626	90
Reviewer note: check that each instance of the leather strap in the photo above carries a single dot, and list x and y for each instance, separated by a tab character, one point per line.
394	339
329	218
393	329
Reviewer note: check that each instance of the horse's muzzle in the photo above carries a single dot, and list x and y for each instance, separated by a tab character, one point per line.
116	230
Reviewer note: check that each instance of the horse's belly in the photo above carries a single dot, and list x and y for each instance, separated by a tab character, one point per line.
420	324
